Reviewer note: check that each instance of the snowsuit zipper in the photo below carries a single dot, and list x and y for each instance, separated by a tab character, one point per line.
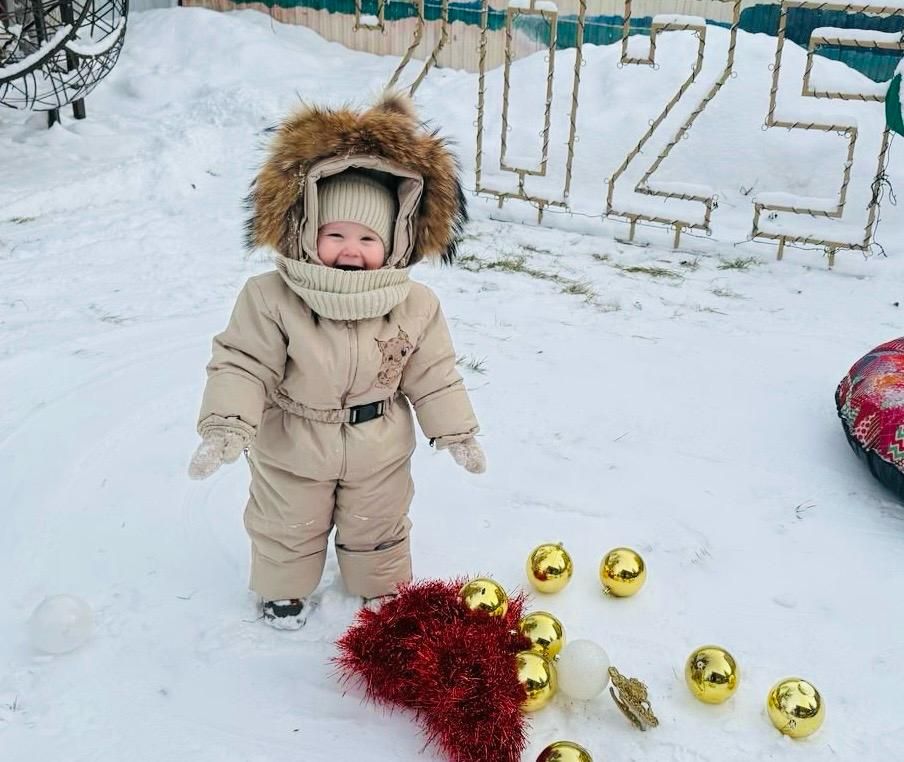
352	336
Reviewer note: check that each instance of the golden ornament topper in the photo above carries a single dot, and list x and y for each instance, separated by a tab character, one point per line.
630	695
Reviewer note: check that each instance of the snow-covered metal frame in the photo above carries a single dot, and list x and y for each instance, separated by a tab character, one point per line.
54	52
380	16
549	13
675	191
416	40
837	37
774	203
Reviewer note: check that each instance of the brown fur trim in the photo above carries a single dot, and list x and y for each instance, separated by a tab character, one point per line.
389	130
397	103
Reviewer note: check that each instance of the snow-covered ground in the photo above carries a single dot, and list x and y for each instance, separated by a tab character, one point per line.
684	408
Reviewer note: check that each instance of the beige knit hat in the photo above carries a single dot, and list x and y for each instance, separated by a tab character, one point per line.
353	196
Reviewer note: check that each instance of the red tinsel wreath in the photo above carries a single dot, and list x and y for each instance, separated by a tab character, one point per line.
456	668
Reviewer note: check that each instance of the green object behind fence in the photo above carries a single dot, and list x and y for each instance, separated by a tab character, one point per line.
893	115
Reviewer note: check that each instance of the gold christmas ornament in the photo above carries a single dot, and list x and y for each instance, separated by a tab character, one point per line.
549	567
630	695
564	751
538	676
622	572
485	595
712	674
795	707
545	632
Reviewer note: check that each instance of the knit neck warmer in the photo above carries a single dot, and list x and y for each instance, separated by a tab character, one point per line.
345	294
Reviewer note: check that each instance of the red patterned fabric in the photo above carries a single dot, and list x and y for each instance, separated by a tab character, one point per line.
870	402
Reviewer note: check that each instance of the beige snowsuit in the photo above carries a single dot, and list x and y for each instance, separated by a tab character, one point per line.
275	368
308	348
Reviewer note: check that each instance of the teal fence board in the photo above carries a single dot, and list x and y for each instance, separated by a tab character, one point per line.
878	65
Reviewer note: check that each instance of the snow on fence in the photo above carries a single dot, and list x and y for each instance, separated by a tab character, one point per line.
522	27
393	23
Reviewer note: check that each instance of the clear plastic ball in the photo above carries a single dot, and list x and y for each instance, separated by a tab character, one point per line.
583	668
60	623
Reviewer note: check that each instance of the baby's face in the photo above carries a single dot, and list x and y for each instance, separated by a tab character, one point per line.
350	246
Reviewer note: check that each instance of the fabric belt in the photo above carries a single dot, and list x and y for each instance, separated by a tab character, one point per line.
353	415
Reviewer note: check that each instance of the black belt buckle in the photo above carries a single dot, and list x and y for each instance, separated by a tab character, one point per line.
364	413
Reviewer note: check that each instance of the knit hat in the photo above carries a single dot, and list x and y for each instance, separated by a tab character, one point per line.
353	196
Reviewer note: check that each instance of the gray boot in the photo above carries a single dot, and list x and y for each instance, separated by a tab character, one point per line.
286	614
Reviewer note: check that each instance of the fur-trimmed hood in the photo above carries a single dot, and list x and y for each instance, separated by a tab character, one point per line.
387	138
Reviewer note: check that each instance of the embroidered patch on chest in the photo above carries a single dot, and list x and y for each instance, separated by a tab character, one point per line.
396	352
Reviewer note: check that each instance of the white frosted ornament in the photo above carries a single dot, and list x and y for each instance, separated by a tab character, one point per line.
60	623
583	668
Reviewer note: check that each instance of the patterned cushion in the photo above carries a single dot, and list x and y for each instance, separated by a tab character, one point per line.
870	402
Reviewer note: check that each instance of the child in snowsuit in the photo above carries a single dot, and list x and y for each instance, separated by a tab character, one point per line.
314	374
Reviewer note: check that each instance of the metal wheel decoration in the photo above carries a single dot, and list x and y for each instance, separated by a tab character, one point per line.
54	52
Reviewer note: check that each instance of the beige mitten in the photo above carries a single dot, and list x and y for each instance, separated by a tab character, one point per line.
469	455
224	439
